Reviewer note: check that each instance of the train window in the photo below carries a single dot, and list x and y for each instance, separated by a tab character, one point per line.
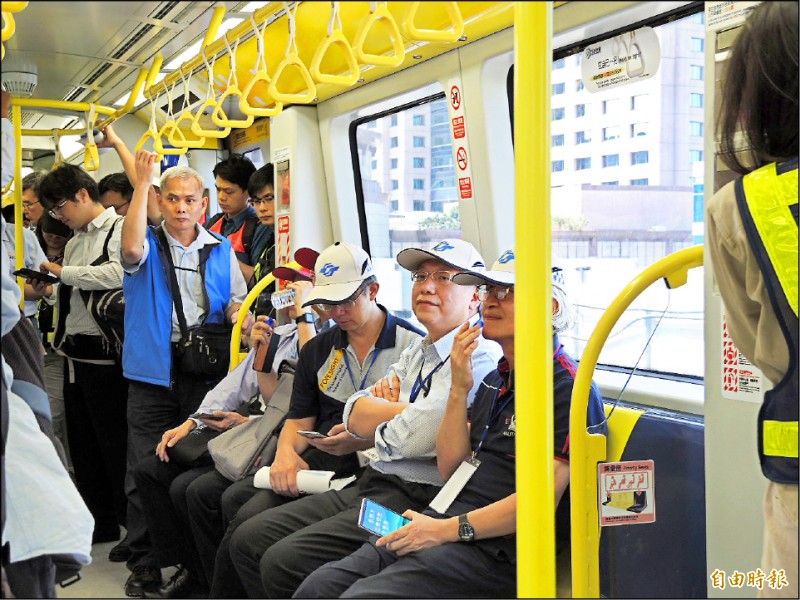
416	201
605	232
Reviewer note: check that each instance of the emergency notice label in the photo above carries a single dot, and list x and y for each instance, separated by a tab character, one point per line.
741	379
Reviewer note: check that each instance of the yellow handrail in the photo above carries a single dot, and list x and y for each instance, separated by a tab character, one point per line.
14	7
435	35
19	241
586	449
236	356
536	564
9	27
380	13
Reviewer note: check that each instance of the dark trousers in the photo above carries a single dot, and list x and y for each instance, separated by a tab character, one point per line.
446	571
162	491
152	410
32	578
95	398
237	504
276	550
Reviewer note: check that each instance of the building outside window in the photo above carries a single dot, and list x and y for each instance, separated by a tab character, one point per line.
395	205
558	88
696	128
559	64
698	44
419	205
580	110
582	137
696	100
419	184
393	142
610	160
419	162
419	120
395	184
637	101
582	164
638	129
394	163
610	133
558	140
641	157
695	156
558	165
696	72
558	114
579	87
611	183
639	181
610	106
393	122
419	141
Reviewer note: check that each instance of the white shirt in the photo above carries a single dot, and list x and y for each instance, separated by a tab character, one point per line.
190	284
406	444
81	250
32	257
9	150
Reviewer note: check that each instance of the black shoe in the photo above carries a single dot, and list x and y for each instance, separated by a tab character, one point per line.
121	552
181	585
143	578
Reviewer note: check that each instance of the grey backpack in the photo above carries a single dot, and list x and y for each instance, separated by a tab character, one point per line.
242	450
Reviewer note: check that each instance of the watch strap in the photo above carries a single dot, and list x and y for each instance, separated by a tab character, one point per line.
305	318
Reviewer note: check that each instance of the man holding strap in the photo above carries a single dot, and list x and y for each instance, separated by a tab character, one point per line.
202	265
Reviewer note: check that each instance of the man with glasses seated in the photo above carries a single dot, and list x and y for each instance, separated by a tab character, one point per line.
95	391
353	355
274	551
261	188
464	545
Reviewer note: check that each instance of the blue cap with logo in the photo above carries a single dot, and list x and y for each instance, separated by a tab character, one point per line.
340	269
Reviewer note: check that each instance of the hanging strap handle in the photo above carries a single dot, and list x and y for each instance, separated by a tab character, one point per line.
91	156
380	13
176	135
293	59
210	103
337	37
260	76
218	116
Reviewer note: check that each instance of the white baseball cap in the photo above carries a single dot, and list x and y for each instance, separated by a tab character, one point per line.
503	272
457	253
340	269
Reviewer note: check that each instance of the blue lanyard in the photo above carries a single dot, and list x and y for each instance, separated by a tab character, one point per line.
493	416
349	372
424	385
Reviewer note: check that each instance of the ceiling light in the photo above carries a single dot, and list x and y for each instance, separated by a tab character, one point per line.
252	7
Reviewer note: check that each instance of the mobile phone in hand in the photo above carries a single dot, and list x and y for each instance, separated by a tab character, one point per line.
312	435
378	519
208	416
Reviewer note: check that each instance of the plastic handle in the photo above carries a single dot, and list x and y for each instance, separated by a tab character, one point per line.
436	35
292	59
212	133
143	140
14	7
91	158
248	109
338	38
221	119
164	132
381	14
177	137
9	26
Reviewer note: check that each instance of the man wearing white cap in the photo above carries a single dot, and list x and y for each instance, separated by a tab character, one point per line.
476	510
349	357
274	551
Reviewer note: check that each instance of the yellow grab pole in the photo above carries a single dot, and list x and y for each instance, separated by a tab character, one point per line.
236	334
587	449
19	242
534	328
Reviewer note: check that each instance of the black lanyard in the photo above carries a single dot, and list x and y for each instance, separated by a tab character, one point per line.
424	385
349	372
493	416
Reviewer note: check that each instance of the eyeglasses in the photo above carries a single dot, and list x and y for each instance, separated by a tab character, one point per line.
442	277
346	305
57	209
29	204
265	198
500	293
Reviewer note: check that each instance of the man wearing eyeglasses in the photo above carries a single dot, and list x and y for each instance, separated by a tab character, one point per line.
349	357
274	551
95	391
116	192
464	545
261	188
32	207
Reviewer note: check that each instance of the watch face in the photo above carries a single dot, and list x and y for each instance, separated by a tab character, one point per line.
466	532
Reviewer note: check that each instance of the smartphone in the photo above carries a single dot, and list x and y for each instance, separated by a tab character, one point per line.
208	416
378	519
312	435
38	275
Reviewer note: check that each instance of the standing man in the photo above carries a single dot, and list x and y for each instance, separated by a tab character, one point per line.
238	221
262	198
274	551
32	207
95	392
211	288
116	192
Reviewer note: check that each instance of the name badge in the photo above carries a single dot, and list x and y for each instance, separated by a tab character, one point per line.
454	485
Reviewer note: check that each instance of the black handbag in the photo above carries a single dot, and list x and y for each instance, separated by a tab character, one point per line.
203	350
192	450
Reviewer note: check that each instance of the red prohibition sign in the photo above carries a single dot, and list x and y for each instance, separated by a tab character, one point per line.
455	97
461	158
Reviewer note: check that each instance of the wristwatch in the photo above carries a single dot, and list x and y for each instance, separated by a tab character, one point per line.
465	530
305	318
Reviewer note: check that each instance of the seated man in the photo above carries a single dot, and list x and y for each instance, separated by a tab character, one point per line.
275	550
162	483
365	342
423	558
